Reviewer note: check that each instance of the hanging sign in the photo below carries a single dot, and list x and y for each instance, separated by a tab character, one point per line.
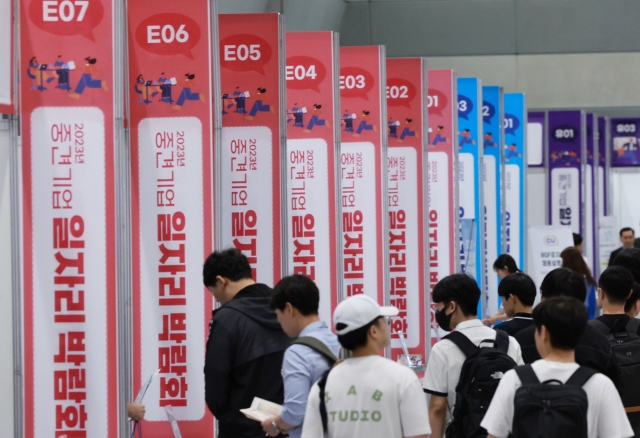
470	181
567	145
493	173
625	139
7	56
363	170
171	119
536	139
407	153
590	192
515	120
67	114
442	195
312	161
251	181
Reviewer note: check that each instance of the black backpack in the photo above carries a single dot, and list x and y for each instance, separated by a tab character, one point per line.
626	347
551	409
481	372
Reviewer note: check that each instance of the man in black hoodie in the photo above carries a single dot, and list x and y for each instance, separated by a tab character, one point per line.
245	348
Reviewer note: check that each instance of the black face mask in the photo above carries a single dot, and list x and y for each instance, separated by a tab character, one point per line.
444	320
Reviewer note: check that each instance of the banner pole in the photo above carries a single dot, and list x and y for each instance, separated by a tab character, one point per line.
16	276
16	236
123	214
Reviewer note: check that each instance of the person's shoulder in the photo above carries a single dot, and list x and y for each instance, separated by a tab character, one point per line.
525	335
509	327
397	371
600	385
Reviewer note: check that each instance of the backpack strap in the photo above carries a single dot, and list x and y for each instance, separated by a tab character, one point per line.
633	325
580	377
600	326
526	375
463	343
322	384
318	346
502	341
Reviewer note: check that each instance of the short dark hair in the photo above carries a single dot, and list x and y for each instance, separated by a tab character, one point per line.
520	285
565	319
635	296
625	229
563	282
357	338
229	263
629	258
506	260
460	288
300	291
577	239
616	283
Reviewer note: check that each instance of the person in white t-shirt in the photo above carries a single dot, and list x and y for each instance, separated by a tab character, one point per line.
560	322
366	395
457	299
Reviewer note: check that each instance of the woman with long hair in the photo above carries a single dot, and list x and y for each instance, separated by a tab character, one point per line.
503	266
572	259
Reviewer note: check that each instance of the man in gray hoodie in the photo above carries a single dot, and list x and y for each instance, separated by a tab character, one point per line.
245	347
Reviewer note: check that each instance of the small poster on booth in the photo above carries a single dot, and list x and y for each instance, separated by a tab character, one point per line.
470	181
567	150
625	137
68	123
363	170
406	162
442	174
493	172
312	162
515	158
171	122
251	186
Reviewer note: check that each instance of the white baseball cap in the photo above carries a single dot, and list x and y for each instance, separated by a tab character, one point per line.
357	311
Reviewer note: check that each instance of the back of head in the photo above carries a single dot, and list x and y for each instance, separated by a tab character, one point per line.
460	288
616	283
563	282
565	319
572	259
506	260
629	258
300	291
520	285
577	239
229	263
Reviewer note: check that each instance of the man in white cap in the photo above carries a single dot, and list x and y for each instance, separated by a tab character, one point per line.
366	395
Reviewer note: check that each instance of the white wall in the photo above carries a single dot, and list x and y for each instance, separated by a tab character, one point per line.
626	204
6	320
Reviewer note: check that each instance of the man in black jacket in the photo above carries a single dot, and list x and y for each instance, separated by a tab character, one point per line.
627	238
593	350
245	348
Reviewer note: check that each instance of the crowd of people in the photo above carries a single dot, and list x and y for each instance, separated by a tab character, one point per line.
553	370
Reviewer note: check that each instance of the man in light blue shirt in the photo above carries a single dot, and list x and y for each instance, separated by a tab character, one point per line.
295	300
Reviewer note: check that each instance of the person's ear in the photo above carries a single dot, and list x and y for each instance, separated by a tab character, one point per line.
453	308
289	309
630	292
223	281
544	334
601	294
